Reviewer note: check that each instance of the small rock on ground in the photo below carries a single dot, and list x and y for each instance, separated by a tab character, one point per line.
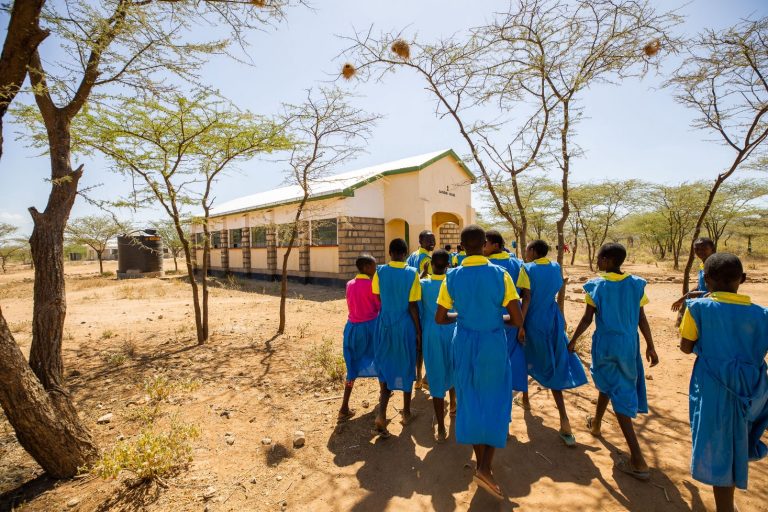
104	419
299	439
73	502
266	441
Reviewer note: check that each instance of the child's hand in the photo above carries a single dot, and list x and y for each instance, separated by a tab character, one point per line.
521	336
572	346
651	356
678	304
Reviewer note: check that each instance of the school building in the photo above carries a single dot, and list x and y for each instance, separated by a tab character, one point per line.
347	214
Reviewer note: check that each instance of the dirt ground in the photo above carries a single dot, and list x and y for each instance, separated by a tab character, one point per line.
250	384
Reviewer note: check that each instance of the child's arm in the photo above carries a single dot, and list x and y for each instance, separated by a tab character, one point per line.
443	317
686	345
525	295
650	350
586	321
689	332
515	313
693	294
413	309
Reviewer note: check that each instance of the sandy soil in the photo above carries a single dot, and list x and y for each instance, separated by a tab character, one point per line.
255	385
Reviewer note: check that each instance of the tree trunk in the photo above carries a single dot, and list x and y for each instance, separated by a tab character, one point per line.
566	203
192	281
101	262
46	423
283	290
50	303
21	40
176	264
575	248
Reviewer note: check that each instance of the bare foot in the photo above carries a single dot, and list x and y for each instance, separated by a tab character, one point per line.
407	419
593	426
344	415
442	436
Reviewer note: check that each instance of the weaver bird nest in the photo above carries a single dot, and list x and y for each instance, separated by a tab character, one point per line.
402	49
348	71
259	3
652	48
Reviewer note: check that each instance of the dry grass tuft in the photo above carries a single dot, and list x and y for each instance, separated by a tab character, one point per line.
323	363
402	49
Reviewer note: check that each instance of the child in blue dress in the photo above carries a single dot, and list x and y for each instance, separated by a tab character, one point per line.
421	260
458	256
482	376
398	332
436	343
703	248
359	331
543	332
495	251
617	299
728	395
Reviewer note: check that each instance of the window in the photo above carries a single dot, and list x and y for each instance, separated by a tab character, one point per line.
259	236
235	238
216	239
198	240
325	232
284	235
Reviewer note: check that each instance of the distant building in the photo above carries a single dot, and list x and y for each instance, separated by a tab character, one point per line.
110	253
347	214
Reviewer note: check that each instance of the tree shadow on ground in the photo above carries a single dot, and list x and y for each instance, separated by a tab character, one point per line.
27	492
131	498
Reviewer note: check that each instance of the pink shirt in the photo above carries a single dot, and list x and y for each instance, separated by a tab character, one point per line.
362	303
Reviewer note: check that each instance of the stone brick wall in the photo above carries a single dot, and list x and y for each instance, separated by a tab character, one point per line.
304	260
449	233
245	243
225	249
272	249
358	235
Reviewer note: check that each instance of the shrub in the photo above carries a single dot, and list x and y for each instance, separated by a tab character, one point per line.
323	362
150	455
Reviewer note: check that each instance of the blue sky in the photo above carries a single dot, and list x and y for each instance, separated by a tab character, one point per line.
631	130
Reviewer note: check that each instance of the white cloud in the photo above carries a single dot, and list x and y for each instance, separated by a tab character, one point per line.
13	217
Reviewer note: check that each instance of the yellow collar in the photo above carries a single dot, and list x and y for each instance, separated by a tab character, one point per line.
362	276
423	251
701	266
462	253
397	264
499	256
542	261
613	276
474	261
731	298
436	277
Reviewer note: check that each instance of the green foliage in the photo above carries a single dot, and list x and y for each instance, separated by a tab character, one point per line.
323	363
150	455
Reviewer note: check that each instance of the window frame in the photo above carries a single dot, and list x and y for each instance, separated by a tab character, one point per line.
313	232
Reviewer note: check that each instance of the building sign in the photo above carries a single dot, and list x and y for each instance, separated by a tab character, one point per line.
446	191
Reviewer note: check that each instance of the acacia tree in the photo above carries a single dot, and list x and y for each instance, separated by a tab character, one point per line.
327	131
598	207
466	76
166	230
178	148
9	244
678	206
113	44
724	80
736	200
95	231
575	46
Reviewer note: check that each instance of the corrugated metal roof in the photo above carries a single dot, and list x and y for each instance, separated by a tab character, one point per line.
335	185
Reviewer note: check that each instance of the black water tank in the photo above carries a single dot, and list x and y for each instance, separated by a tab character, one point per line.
139	254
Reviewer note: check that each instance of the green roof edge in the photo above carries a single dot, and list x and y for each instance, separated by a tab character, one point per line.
350	191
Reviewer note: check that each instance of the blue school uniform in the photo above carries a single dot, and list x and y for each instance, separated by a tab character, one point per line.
617	366
546	343
482	376
395	341
515	349
420	260
702	287
458	258
436	340
728	395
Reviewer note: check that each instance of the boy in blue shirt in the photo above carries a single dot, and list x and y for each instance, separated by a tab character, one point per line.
617	299
543	332
398	331
437	343
482	376
728	394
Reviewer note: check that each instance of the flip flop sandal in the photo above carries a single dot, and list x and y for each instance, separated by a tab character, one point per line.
625	467
589	421
381	430
496	493
568	439
344	417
